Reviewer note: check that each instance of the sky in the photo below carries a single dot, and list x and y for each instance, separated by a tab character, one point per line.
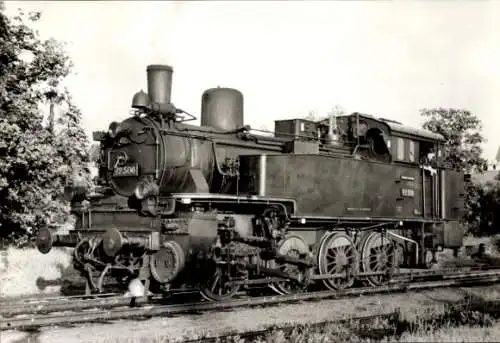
386	58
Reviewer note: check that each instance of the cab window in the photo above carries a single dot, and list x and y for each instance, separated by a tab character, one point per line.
411	151
400	147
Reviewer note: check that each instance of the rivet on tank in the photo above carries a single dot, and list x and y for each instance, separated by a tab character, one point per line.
222	109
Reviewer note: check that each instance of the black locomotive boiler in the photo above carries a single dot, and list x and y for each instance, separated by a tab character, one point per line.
219	208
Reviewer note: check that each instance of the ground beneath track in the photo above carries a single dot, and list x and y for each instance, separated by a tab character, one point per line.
213	324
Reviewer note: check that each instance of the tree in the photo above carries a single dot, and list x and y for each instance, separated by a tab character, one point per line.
95	153
462	132
483	215
315	116
36	163
72	144
462	150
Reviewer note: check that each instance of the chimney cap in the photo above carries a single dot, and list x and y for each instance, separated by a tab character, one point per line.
159	67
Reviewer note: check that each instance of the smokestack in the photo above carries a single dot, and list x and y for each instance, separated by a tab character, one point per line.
159	83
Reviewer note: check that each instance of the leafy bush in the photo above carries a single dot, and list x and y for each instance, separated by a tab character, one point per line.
483	209
36	160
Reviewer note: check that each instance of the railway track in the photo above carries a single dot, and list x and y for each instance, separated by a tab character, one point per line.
57	304
47	298
114	308
109	300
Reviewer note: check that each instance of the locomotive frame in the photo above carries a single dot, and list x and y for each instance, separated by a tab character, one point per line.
216	207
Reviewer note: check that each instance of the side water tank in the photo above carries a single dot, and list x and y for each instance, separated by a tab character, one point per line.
222	108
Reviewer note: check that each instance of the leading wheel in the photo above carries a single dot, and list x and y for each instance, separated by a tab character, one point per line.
218	287
378	255
293	246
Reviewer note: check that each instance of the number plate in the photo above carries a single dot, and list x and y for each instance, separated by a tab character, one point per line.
407	193
128	170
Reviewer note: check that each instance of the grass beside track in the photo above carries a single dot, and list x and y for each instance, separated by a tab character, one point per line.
477	320
428	326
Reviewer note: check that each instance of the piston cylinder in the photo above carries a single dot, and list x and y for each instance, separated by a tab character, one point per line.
222	109
159	83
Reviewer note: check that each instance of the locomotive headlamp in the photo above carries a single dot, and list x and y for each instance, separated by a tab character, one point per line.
113	129
140	191
146	188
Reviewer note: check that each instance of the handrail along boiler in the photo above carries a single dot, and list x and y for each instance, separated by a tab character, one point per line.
219	208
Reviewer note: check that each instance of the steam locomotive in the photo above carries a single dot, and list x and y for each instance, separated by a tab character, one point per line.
220	209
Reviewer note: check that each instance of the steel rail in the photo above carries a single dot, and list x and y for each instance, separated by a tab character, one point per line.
18	300
49	297
65	305
62	304
104	301
33	321
414	274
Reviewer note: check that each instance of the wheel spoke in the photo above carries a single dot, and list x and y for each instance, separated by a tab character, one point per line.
216	281
331	254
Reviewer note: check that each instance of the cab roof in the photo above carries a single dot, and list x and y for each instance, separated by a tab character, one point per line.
398	129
